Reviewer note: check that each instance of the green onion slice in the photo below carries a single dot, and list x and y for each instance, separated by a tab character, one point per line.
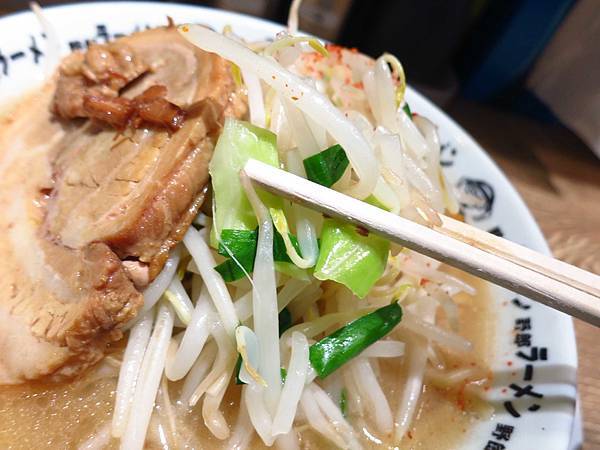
333	351
344	402
285	320
242	251
328	166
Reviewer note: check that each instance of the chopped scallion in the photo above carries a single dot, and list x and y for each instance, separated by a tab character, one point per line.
331	352
238	366
328	166
285	320
242	245
344	402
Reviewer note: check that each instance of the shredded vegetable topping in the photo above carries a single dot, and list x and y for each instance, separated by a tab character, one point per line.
288	317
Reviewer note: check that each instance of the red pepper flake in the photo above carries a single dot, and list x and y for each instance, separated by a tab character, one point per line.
362	231
423	281
504	390
358	85
509	363
460	398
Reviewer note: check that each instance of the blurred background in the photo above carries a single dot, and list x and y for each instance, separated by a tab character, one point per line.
522	76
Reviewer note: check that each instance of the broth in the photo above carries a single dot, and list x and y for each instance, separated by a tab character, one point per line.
63	416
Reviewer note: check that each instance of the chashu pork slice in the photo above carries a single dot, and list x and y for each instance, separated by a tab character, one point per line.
90	211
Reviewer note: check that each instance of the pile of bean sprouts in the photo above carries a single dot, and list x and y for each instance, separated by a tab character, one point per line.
191	336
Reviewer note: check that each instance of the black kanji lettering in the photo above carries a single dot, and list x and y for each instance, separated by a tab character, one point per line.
102	32
523	340
496	231
17	55
519	304
523	324
4	64
534	355
493	445
534	407
527	390
75	45
503	432
511	409
528	376
35	51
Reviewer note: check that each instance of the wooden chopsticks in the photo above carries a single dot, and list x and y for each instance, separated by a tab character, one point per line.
517	268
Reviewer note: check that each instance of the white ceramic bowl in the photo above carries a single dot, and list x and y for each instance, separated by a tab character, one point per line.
535	351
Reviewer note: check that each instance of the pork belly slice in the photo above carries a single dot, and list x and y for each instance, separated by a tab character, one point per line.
90	212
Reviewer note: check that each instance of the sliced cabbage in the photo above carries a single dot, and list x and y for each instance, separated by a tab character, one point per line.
239	142
384	197
351	256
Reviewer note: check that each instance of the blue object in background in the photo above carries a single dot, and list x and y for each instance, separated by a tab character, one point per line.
503	47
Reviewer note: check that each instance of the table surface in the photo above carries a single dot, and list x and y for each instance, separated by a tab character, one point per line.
559	179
